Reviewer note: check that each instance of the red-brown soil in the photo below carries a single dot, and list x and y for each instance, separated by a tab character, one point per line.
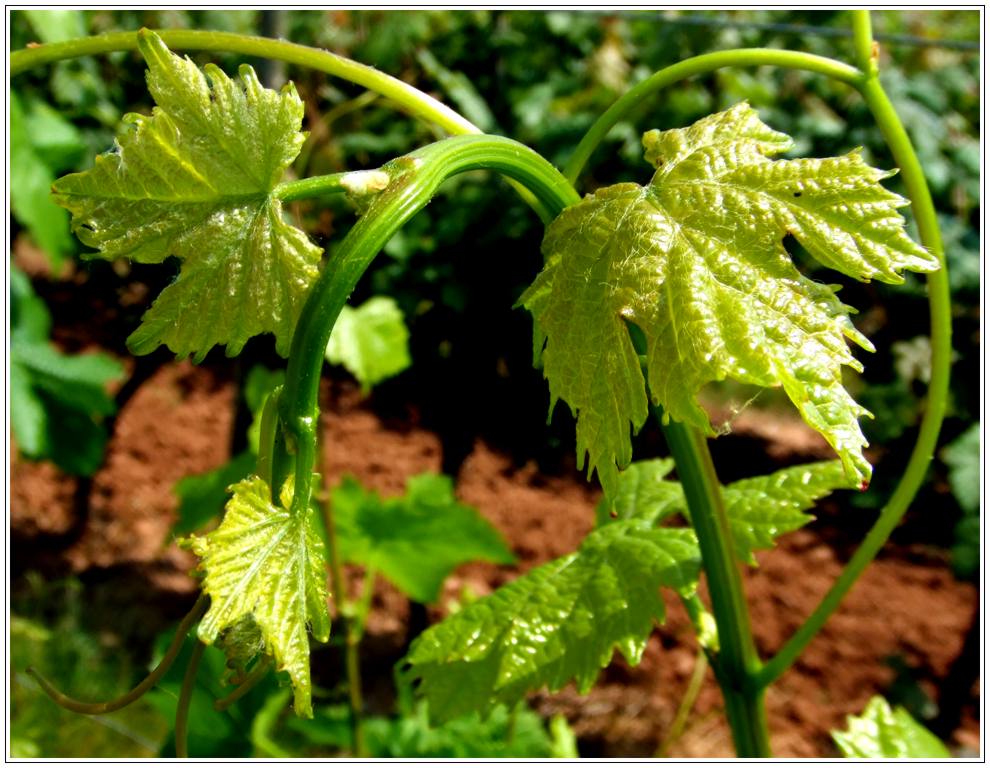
178	422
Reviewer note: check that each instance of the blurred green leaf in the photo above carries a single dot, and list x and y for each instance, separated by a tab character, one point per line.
54	26
415	540
31	182
371	341
962	457
881	732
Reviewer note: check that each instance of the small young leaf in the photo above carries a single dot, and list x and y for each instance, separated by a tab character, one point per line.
557	623
415	540
884	733
962	457
371	341
195	181
695	260
266	563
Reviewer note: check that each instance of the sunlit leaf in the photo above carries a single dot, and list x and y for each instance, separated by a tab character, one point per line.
882	732
559	622
696	260
195	180
266	563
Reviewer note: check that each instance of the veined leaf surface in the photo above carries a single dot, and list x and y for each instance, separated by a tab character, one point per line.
759	509
266	564
195	180
696	260
557	623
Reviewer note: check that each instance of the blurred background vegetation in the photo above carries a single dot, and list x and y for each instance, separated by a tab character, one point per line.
457	269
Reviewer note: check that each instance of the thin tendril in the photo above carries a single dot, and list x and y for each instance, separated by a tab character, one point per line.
254	677
185	698
102	707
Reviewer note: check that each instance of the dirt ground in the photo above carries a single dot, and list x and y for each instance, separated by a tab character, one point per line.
908	610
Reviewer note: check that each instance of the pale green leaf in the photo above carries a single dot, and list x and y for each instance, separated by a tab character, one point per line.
415	540
643	493
762	508
881	732
202	497
557	623
195	181
265	563
759	509
695	260
962	456
370	341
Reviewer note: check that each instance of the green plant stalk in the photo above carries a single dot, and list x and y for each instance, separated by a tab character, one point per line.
698	65
738	661
940	307
687	703
185	699
415	179
254	677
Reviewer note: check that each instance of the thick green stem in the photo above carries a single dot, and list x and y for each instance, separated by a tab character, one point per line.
738	662
414	180
938	390
698	65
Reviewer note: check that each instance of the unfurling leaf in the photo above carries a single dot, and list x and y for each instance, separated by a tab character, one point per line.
696	260
266	564
557	623
415	540
370	341
885	733
195	181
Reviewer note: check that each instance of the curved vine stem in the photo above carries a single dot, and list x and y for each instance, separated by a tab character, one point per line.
415	178
254	677
411	99
940	307
185	699
699	65
102	707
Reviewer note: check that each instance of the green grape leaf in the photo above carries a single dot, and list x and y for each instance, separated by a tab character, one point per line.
195	180
882	732
643	493
557	623
695	259
759	509
762	508
415	540
370	341
266	563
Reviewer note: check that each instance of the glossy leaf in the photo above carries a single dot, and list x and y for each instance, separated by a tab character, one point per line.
370	341
557	623
759	509
415	540
195	180
696	260
882	732
265	563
